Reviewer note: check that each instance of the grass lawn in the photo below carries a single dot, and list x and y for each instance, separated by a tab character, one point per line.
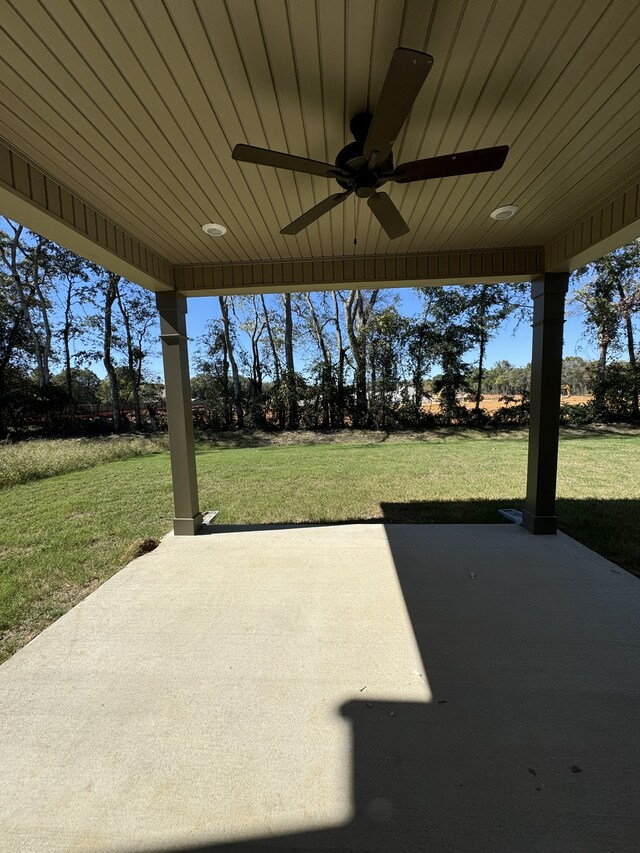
63	535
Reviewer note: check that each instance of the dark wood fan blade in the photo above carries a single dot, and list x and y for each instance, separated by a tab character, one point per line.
464	163
314	213
387	215
280	160
406	74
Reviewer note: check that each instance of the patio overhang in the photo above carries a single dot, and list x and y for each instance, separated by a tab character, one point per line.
39	202
32	197
119	121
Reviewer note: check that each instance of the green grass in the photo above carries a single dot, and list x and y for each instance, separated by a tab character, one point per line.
63	535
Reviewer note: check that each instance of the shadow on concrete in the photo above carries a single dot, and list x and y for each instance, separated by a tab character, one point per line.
482	511
519	749
609	527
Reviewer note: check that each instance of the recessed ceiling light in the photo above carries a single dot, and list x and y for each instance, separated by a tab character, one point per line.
214	229
505	212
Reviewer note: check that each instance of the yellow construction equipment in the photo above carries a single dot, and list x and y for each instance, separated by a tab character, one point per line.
565	390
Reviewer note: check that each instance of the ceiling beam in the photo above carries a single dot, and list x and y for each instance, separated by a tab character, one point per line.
40	203
368	271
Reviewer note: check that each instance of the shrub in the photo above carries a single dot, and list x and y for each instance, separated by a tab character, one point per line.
578	413
515	412
613	397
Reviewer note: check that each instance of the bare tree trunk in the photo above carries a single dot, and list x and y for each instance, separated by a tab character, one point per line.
362	402
256	368
111	294
44	313
631	349
328	408
228	403
135	374
256	363
339	418
292	394
66	337
237	392
360	378
25	298
483	345
357	316
374	387
635	388
277	369
603	347
274	349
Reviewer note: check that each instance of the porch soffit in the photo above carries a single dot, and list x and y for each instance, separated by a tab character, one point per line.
131	110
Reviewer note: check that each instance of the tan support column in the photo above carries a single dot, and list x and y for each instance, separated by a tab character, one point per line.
548	294
173	334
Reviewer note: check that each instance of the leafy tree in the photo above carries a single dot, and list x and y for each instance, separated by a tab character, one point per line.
575	374
489	306
15	354
618	393
419	354
452	335
610	298
211	384
84	384
28	266
597	297
507	379
387	332
318	321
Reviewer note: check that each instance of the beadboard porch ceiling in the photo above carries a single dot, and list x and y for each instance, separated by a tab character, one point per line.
134	108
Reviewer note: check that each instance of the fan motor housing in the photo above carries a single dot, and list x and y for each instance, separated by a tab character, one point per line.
364	181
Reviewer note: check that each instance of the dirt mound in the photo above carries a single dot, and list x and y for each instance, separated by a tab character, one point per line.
139	547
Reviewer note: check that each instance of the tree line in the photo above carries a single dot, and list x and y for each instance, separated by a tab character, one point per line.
366	365
58	314
609	297
314	360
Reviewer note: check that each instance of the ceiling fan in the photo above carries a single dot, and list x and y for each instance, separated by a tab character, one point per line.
363	166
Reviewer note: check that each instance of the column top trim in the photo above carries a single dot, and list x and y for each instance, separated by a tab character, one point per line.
556	283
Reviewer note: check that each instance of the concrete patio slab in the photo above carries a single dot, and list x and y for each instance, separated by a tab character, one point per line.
360	687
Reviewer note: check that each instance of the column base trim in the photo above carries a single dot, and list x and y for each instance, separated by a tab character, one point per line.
187	526
539	524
